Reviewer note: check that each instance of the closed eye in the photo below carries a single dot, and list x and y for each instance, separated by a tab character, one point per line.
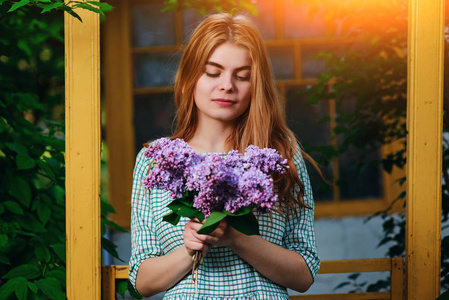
213	75
243	78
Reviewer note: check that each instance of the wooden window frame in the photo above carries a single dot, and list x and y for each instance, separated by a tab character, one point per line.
119	93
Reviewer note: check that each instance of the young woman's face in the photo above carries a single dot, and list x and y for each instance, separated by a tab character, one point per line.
223	92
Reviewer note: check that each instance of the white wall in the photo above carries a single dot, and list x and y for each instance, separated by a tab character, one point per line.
347	238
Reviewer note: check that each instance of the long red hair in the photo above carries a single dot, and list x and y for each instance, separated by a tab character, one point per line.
263	124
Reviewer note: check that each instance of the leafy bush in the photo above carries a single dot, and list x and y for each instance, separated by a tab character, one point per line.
369	83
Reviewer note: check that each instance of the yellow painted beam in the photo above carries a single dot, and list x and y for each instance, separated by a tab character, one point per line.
424	151
82	92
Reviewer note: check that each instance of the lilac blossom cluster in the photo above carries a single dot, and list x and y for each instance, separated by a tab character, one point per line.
174	159
230	183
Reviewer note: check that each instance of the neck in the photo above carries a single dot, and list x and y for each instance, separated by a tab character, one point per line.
211	137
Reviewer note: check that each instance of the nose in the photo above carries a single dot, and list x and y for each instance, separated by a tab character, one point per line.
227	84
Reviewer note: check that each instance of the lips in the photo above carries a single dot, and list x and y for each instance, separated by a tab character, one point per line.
224	102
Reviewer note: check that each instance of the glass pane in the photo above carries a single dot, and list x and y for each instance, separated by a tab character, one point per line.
190	20
158	69
353	183
265	19
150	27
153	117
303	120
301	22
282	61
356	185
312	61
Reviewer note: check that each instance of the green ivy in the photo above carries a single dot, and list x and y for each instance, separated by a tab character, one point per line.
61	5
368	80
32	146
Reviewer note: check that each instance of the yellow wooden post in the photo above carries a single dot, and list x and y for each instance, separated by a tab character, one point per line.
424	155
82	86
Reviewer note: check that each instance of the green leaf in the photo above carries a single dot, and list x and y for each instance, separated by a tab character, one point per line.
3	240
9	287
44	213
18	5
21	290
102	5
342	285
246	224
212	222
121	287
51	288
132	291
58	274
60	251
242	211
200	216
20	190
113	225
182	209
4	259
24	161
444	296
110	247
13	207
32	287
26	271
42	254
70	11
48	7
354	276
172	218
89	7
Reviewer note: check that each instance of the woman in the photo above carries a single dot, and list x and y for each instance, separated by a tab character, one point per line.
226	99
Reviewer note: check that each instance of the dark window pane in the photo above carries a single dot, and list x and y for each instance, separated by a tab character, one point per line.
303	120
151	70
150	27
357	181
153	117
191	18
355	184
282	61
299	22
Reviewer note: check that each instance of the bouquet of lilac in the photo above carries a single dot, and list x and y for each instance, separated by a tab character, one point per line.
212	187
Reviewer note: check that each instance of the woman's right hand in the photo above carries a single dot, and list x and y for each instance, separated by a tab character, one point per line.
194	241
203	242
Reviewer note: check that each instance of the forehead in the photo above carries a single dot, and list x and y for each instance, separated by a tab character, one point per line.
230	56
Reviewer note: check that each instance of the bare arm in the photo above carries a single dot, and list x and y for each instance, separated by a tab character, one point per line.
158	274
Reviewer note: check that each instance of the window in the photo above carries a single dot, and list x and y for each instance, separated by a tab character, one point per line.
141	53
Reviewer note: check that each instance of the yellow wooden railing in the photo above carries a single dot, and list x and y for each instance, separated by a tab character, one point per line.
393	265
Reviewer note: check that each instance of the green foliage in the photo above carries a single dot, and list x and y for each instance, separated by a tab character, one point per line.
54	5
32	223
368	80
32	176
205	6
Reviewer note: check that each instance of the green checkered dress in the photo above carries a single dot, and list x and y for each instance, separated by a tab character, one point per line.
222	274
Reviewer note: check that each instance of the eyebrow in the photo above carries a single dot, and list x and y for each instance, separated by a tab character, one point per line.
221	67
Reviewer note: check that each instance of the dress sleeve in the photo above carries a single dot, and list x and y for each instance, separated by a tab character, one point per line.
300	231
143	238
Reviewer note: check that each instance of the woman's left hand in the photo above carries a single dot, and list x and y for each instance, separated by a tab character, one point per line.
223	236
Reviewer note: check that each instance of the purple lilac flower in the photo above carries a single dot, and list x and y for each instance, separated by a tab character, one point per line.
173	162
215	182
223	184
267	160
